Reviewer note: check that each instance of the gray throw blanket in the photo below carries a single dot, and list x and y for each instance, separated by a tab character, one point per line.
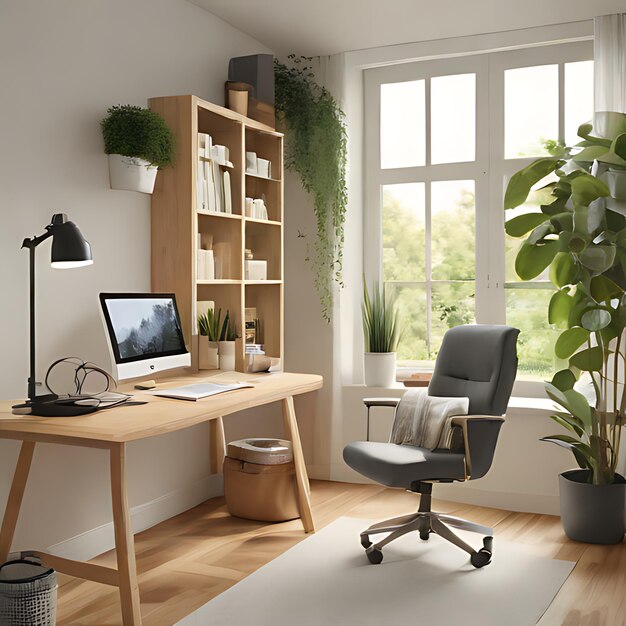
425	421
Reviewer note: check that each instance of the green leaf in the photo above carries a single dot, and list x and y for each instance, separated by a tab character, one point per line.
589	360
596	319
574	445
587	188
531	260
603	289
619	146
558	309
540	232
572	401
590	153
563	269
567	424
569	341
598	258
589	219
520	184
522	224
564	380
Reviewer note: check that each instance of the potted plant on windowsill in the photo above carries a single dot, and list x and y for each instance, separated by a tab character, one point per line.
209	329
381	332
581	237
138	142
226	344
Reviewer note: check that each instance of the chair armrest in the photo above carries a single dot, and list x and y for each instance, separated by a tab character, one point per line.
480	435
391	402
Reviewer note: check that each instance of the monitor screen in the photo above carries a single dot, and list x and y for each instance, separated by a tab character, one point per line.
142	326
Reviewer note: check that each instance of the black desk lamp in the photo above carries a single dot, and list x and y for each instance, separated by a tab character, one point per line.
69	249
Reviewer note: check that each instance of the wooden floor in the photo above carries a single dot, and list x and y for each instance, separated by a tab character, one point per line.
191	558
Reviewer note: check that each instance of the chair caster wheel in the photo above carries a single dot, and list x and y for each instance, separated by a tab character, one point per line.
365	541
424	534
480	558
375	556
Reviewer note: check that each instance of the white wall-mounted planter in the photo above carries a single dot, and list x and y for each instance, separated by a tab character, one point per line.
131	173
227	355
208	358
379	369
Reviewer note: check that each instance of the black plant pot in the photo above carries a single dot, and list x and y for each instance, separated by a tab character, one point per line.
592	513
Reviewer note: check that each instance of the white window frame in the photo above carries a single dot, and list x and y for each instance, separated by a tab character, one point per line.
490	170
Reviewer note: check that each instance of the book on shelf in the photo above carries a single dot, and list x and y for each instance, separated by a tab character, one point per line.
228	199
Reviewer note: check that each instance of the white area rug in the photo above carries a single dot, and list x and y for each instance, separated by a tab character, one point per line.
326	580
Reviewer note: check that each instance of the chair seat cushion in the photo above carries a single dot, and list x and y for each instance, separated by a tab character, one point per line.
396	465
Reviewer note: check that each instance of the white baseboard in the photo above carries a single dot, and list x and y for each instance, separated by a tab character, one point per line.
467	493
93	542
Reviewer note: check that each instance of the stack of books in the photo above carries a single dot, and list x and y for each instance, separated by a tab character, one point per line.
213	186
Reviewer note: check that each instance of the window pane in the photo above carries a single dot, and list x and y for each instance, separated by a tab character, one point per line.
578	98
452	230
527	309
404	232
453	118
412	306
402	124
451	305
531	110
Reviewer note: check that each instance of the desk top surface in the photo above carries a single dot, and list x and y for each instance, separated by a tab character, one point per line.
159	415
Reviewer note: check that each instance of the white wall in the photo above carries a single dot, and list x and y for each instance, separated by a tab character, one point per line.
62	64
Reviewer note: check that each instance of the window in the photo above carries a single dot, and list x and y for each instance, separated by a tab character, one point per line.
442	138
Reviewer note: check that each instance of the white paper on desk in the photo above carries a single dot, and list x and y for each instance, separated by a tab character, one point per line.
196	391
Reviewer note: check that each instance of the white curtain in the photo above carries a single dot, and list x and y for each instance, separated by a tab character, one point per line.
609	53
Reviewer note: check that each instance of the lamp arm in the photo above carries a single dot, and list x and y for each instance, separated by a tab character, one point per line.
31	244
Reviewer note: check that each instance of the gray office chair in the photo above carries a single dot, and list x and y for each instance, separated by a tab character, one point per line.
478	362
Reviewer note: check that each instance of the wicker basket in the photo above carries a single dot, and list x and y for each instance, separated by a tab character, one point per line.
28	593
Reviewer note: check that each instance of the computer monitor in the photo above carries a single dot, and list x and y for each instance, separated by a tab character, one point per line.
144	333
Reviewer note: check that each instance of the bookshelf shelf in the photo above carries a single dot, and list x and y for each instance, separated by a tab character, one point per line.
271	180
178	227
254	220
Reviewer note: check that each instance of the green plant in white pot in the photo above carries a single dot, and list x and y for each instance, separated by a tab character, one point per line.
226	343
138	142
209	333
382	332
580	235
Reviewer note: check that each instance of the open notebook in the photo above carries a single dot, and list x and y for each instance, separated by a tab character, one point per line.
197	391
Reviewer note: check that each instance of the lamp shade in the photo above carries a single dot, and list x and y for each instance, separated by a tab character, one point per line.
69	247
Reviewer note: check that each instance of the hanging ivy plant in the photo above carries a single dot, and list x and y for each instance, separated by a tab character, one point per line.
316	148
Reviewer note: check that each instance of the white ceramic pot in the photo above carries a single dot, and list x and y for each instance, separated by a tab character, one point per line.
208	358
380	369
131	173
227	355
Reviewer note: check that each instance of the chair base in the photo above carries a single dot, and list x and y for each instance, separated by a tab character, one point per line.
426	522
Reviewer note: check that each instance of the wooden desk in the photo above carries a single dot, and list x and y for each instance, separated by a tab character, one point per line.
112	429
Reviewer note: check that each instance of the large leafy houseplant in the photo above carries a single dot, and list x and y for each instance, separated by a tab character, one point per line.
316	148
579	234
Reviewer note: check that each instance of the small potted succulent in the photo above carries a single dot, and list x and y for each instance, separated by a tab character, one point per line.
209	329
382	333
226	344
138	142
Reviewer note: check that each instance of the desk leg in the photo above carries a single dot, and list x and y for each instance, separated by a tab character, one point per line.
302	480
124	542
14	501
218	445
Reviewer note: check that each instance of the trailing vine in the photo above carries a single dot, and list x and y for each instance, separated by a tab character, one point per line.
316	148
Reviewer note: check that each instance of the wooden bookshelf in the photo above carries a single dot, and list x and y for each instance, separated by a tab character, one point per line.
176	222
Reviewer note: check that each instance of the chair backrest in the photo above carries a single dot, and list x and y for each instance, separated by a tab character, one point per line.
479	362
